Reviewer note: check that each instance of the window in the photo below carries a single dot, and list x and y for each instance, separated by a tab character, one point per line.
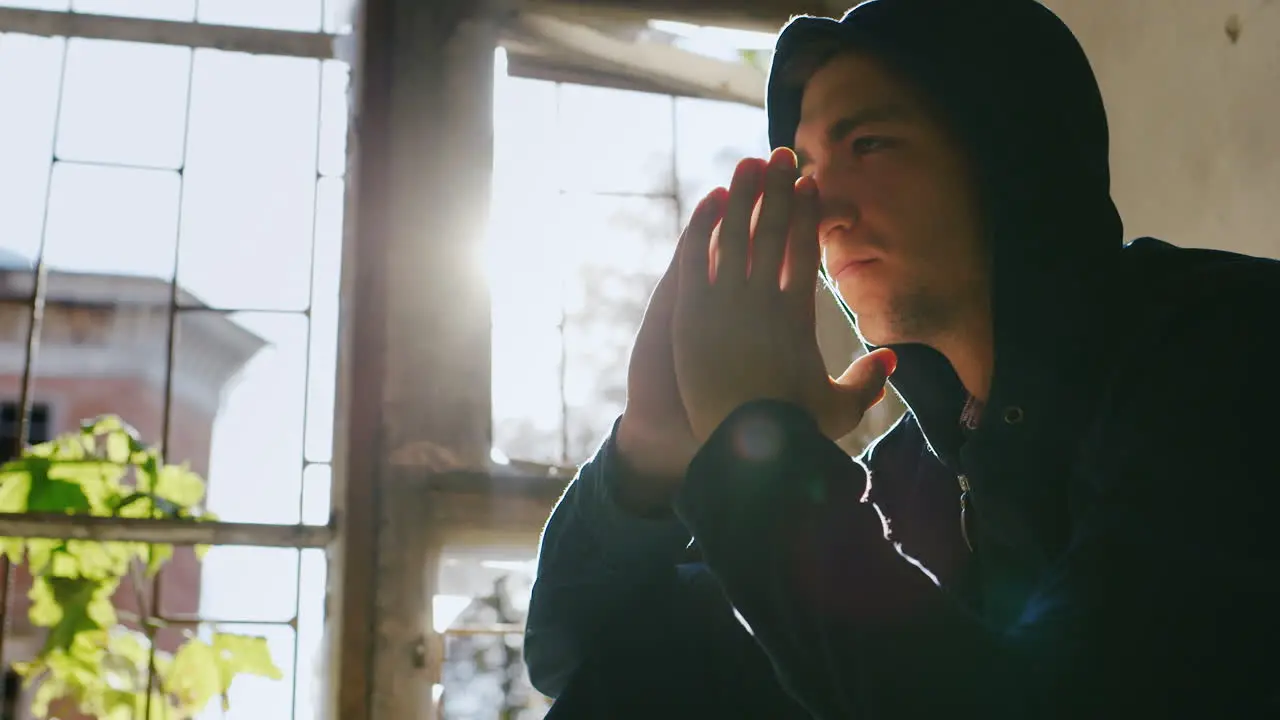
12	695
592	186
188	204
37	433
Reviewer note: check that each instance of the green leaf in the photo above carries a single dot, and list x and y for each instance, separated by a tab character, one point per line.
99	480
147	470
85	607
95	559
89	660
158	556
40	553
12	548
48	495
57	496
179	485
118	448
15	487
194	678
245	654
45	610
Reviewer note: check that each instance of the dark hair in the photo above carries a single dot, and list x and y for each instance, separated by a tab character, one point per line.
803	61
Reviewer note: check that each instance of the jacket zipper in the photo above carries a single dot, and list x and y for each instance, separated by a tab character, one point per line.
964	509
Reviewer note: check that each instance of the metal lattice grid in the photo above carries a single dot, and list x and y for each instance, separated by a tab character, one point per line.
46	289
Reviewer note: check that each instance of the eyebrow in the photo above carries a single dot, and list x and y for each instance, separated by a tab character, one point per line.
842	128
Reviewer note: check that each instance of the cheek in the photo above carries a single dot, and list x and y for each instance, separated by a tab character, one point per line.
929	213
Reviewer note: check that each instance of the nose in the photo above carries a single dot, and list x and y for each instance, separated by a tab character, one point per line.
838	213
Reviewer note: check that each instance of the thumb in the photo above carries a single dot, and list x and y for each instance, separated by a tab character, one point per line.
862	384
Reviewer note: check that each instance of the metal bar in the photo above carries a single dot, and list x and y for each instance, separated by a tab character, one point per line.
173	532
306	378
192	620
258	41
171	360
35	322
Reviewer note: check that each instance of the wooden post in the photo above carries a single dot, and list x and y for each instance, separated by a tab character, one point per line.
416	321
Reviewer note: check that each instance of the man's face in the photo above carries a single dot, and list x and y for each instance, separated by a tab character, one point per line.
900	233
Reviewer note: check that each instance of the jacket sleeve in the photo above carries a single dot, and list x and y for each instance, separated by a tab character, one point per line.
1163	604
593	557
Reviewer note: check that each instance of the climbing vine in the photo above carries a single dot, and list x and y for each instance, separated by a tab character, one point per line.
91	658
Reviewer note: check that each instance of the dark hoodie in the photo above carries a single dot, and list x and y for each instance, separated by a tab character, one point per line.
1119	556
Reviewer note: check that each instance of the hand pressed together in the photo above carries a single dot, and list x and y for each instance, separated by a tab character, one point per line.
744	326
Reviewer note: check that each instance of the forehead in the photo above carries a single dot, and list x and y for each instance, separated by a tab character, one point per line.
848	83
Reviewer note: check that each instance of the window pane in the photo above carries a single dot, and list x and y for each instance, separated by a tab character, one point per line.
622	247
256	471
30	69
711	137
322	371
529	264
339	16
277	14
310	664
334	112
317	494
37	4
249	583
124	103
524	116
615	141
484	676
114	220
181	10
248	208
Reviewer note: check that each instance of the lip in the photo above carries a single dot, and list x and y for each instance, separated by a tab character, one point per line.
852	265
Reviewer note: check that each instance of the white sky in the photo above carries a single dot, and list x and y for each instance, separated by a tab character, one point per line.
262	159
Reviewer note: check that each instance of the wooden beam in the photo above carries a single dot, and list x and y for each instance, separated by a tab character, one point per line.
169	532
761	15
590	53
421	375
51	23
350	636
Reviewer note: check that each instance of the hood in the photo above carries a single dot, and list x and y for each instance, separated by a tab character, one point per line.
1017	86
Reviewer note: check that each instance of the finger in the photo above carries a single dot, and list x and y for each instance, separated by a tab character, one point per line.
803	255
735	229
862	385
694	250
769	241
664	293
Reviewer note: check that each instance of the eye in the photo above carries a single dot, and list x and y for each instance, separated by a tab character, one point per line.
870	143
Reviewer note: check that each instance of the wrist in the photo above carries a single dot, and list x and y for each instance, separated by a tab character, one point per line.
648	472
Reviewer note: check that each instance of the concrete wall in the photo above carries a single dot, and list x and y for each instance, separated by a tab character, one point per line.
1195	116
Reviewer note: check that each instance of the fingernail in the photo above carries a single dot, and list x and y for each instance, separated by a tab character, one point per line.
889	362
712	200
748	167
783	157
806	185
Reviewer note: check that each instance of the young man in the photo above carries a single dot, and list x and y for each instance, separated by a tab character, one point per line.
1079	505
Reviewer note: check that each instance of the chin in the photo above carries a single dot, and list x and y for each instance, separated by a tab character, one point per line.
870	327
874	333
